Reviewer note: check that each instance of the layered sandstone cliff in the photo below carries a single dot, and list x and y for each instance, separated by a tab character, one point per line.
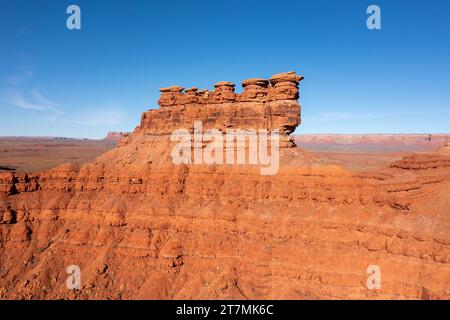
140	226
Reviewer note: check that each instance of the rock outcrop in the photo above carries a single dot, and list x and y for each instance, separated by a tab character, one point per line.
422	162
140	226
263	105
116	136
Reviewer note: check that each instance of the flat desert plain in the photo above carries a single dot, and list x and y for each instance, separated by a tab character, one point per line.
353	152
35	154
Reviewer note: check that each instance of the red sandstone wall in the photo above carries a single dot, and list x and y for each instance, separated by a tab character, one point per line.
263	105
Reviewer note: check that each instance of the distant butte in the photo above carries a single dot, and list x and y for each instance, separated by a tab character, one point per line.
116	136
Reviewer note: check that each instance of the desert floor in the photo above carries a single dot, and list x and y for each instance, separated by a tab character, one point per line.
20	154
29	154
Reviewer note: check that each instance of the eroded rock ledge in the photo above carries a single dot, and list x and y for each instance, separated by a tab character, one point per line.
264	104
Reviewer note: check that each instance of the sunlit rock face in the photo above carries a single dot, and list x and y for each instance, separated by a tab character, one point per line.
140	226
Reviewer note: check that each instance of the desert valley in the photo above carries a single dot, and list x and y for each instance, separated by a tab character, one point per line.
138	225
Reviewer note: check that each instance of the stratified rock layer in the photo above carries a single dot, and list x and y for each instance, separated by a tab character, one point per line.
260	106
139	226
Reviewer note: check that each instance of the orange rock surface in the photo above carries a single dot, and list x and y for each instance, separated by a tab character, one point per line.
445	150
139	226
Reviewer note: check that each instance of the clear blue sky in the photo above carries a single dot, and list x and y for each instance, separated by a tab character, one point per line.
83	83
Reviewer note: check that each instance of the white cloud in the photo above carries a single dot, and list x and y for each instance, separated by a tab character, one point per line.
35	100
32	100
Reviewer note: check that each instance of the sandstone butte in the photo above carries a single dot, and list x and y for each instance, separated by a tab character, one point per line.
115	136
139	226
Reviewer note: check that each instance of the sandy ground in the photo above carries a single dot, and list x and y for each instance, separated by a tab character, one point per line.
359	161
23	154
37	154
367	156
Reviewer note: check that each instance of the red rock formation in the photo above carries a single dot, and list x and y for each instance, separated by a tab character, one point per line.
422	162
116	136
260	106
139	226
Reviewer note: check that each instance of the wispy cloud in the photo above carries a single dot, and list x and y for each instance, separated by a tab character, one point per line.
35	100
340	116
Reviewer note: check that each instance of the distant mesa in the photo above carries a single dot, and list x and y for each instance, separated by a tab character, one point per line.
115	136
373	142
